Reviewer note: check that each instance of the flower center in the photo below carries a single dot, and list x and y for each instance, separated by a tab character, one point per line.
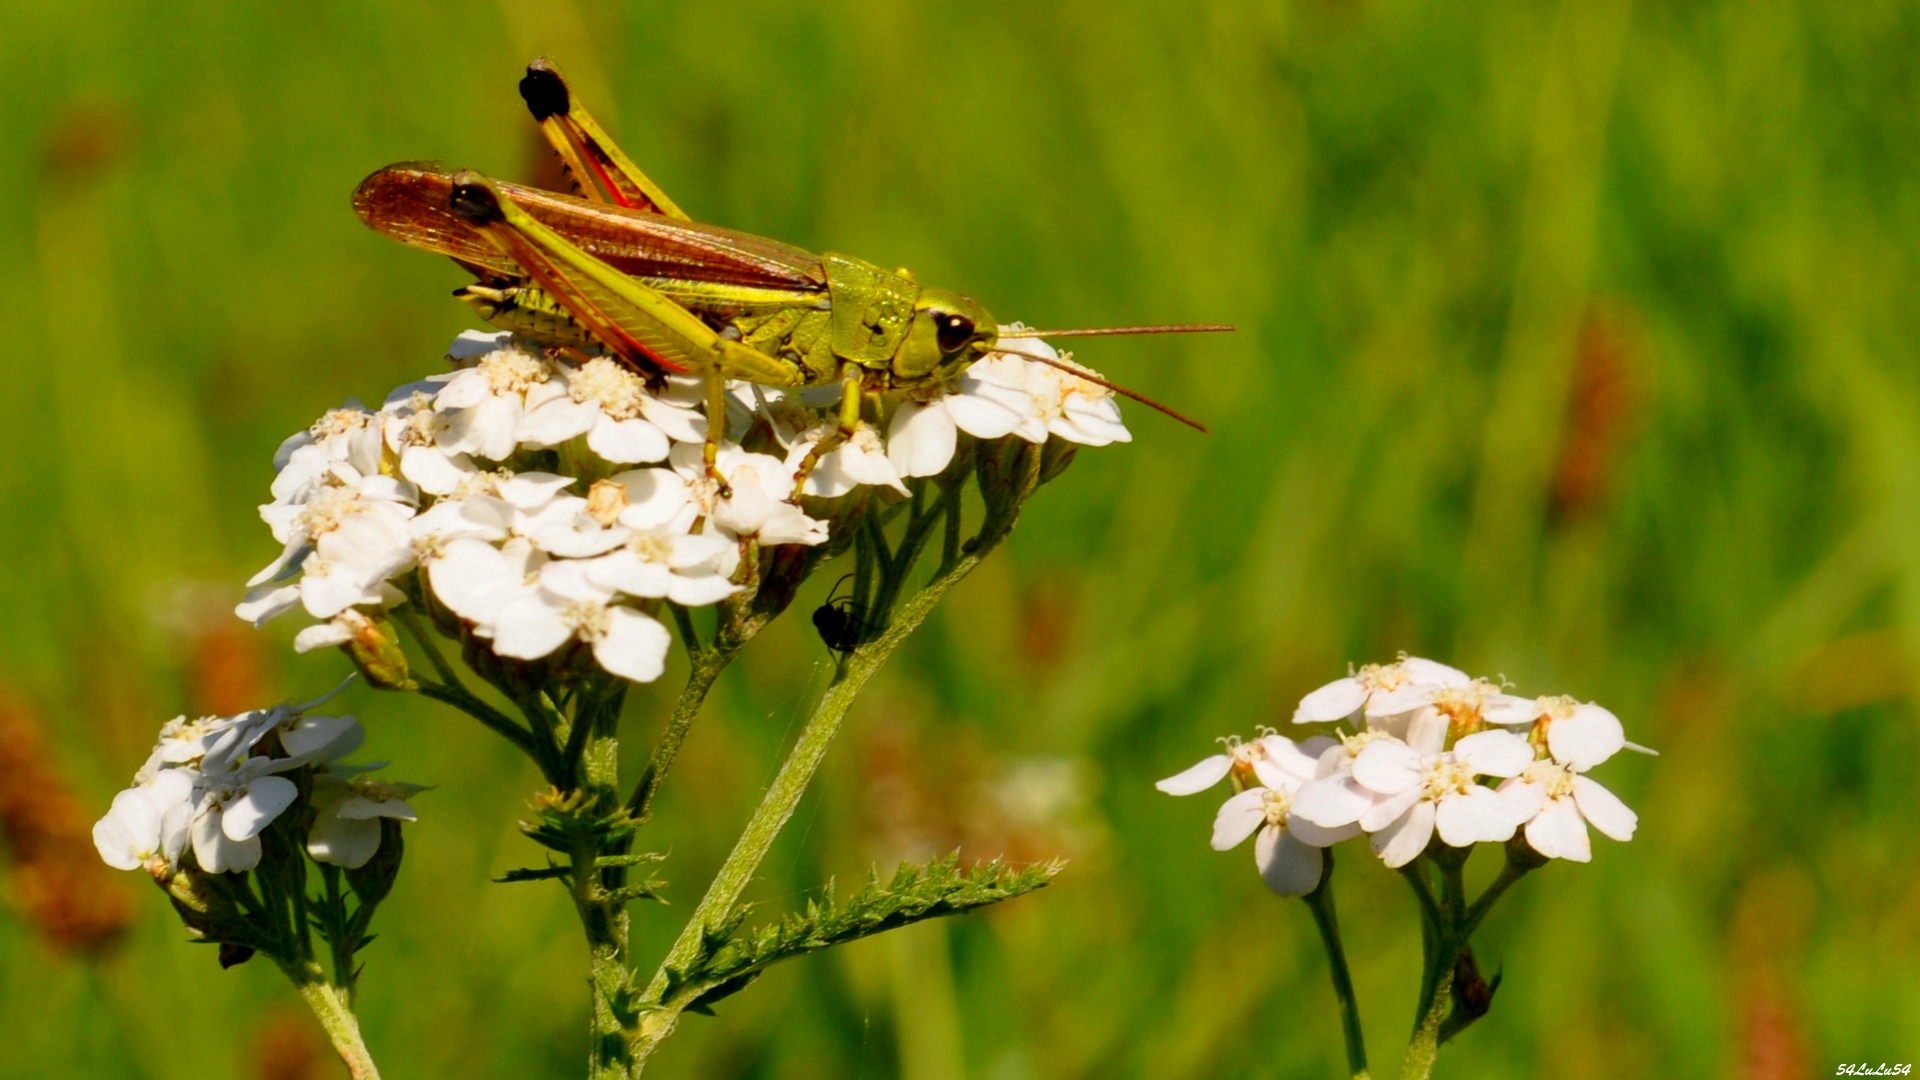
604	382
1353	744
654	545
1381	677
511	371
340	422
1463	706
1277	805
326	508
1446	776
589	619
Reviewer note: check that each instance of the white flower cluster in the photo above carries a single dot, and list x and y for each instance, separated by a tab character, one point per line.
1412	767
204	787
534	559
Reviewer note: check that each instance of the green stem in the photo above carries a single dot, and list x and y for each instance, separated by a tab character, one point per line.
596	888
706	669
1424	1049
332	1006
1320	902
662	1014
451	691
1511	872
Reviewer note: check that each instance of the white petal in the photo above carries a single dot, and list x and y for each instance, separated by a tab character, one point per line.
1507	710
1585	739
342	842
1198	778
1331	801
527	627
1558	832
625	442
327	590
321	635
654	496
295	550
322	736
572	579
555	421
1478	815
1494	753
1289	867
246	816
1319	835
1387	767
1399	843
531	491
434	470
1423	670
921	439
476	343
219	854
1284	757
1524	797
472	578
623	571
635	645
1238	817
1426	729
1405	698
1337	700
130	828
1604	809
268	601
699	591
985	410
1386	811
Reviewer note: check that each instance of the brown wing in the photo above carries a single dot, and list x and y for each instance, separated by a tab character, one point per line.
408	202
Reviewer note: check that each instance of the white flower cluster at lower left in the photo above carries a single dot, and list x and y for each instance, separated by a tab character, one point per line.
1424	736
211	786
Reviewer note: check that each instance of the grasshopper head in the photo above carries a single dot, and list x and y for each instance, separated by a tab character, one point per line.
949	332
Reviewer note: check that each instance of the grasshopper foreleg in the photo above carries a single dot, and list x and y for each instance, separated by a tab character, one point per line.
850	395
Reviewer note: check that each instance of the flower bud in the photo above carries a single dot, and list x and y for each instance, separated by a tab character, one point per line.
375	650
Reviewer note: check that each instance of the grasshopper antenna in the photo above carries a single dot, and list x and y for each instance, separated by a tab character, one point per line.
1119	331
1082	373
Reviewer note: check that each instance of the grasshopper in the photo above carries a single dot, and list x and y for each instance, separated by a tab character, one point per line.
621	268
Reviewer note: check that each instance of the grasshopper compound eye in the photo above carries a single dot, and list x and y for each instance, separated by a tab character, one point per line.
952	331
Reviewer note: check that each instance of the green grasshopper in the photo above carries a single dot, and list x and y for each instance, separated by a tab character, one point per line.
625	270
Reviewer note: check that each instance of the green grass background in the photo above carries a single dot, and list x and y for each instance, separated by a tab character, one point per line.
1472	249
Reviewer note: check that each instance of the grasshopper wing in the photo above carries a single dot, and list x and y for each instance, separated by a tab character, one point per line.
410	203
633	320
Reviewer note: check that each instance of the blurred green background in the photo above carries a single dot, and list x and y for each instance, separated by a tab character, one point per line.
1576	345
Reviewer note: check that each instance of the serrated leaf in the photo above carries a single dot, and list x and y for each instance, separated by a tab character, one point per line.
551	871
916	892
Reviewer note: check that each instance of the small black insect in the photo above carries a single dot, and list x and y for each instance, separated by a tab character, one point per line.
842	623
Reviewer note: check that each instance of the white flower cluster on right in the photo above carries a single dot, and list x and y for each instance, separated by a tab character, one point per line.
1423	737
554	502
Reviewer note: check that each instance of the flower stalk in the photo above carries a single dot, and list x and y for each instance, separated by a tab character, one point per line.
1327	921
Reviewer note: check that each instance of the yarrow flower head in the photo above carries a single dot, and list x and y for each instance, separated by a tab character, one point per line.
1426	737
553	502
211	786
